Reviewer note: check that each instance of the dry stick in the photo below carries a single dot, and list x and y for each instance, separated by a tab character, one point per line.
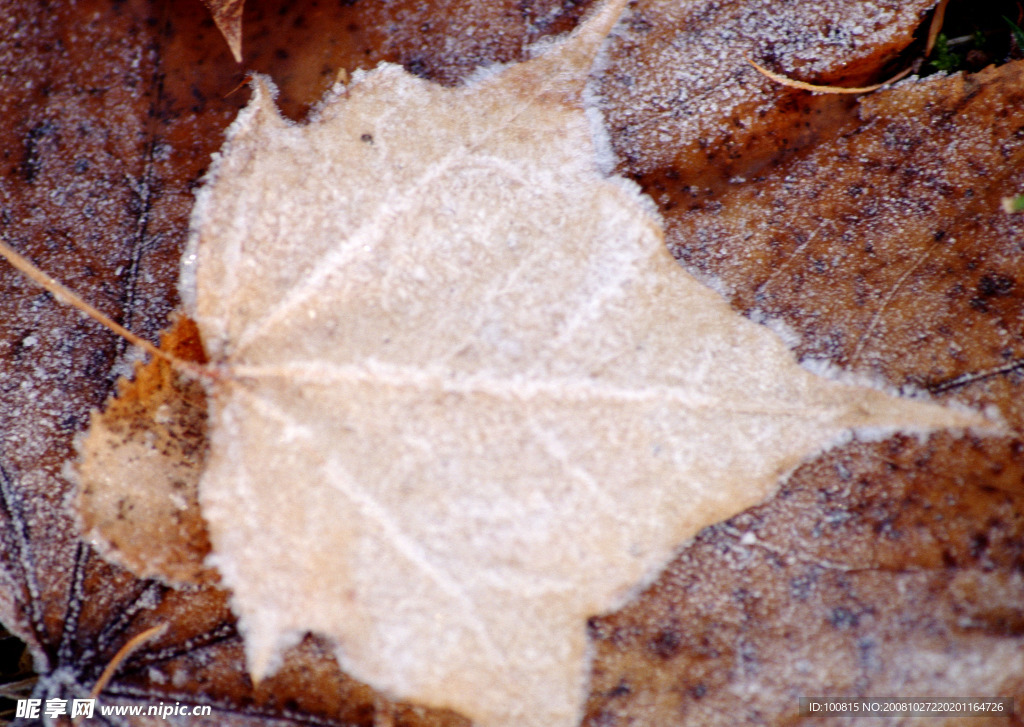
246	79
64	295
936	26
123	653
785	81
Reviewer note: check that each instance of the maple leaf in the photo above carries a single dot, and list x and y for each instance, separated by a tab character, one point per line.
465	387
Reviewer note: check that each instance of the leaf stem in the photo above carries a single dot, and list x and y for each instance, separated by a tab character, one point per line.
68	297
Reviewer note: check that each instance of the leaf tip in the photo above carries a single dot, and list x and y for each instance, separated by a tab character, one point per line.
568	60
227	14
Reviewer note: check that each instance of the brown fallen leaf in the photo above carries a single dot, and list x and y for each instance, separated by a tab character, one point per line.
685	110
907	198
305	44
138	469
850	582
474	402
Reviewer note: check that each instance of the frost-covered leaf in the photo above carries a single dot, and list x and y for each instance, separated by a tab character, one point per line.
885	213
907	198
684	108
861	224
466	399
880	568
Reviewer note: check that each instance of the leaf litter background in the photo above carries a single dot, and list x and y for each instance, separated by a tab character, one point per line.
869	230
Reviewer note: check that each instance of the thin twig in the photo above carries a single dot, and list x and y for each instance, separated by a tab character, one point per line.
65	295
123	653
936	25
786	81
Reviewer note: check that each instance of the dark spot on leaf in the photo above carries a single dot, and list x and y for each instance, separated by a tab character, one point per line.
979	544
596	629
666	644
417	67
842	618
995	284
622	689
32	164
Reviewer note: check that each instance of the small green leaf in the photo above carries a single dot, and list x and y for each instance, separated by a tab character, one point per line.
1016	32
945	59
1013	204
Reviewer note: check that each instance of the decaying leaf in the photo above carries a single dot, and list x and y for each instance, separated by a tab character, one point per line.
684	108
465	398
304	45
889	567
104	124
139	468
907	197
